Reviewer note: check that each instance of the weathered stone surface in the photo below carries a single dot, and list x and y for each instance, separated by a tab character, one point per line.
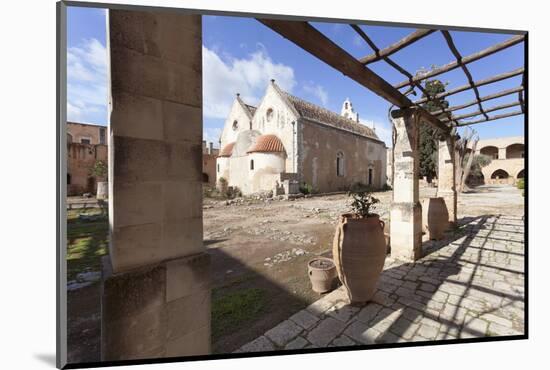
362	333
324	333
297	343
305	319
259	344
283	333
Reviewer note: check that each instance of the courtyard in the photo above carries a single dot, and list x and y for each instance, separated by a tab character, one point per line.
471	284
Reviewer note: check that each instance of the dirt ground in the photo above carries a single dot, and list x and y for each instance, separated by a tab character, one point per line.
260	250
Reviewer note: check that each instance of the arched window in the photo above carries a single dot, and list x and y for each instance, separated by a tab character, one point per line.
251	164
515	151
218	167
204	177
340	164
235	125
491	151
269	115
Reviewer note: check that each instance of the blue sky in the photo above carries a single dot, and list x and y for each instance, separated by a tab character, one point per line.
241	55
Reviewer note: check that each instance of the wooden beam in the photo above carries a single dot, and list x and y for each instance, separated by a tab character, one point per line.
488	110
456	53
491	118
318	45
482	99
469	59
395	47
500	77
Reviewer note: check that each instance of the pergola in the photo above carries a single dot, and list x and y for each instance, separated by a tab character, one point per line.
406	212
155	281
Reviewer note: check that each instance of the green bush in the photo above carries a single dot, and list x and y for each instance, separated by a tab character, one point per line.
521	184
306	188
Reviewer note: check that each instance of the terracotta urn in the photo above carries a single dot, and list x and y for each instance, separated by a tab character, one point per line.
435	218
321	272
359	251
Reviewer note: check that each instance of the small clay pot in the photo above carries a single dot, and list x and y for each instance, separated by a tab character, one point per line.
321	272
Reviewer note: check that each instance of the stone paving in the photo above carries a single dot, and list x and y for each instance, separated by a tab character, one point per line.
469	285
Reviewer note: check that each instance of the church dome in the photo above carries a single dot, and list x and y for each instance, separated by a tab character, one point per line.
267	144
227	150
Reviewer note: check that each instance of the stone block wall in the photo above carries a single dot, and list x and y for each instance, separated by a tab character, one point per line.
156	295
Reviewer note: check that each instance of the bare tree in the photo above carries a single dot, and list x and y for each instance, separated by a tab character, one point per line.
468	165
462	167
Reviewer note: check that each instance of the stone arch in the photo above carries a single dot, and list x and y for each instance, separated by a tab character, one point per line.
490	151
499	174
516	150
205	176
521	174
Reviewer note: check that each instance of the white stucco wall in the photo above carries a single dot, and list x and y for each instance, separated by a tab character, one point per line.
280	125
239	114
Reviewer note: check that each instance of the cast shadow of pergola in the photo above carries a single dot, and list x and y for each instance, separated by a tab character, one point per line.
403	307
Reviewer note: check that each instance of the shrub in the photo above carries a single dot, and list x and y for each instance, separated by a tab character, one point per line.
363	203
99	169
521	184
305	188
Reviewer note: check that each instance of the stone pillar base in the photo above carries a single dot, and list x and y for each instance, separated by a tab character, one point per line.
450	198
406	231
162	310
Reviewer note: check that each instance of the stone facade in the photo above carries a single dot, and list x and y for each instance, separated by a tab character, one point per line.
507	163
85	133
80	159
86	144
209	155
320	148
156	279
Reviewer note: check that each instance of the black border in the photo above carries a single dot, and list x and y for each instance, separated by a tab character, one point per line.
61	202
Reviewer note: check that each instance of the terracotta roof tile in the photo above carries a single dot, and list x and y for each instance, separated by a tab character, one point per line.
267	144
315	113
227	150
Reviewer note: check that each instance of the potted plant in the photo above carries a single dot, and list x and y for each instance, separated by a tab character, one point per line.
359	247
99	170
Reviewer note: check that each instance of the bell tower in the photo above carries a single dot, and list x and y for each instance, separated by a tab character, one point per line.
348	112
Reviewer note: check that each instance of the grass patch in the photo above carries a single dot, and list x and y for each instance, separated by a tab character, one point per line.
86	243
233	310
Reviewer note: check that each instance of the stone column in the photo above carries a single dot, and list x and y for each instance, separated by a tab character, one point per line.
155	287
406	211
502	153
446	184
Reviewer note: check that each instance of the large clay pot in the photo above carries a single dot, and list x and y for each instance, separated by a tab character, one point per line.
359	251
435	218
321	273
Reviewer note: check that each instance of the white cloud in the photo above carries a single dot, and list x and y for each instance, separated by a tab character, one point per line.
87	84
223	78
317	91
383	129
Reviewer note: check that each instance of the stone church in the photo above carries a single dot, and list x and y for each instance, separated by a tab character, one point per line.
286	141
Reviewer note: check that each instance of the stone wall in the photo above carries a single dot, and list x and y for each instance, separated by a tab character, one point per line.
80	159
209	168
318	150
155	291
78	131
